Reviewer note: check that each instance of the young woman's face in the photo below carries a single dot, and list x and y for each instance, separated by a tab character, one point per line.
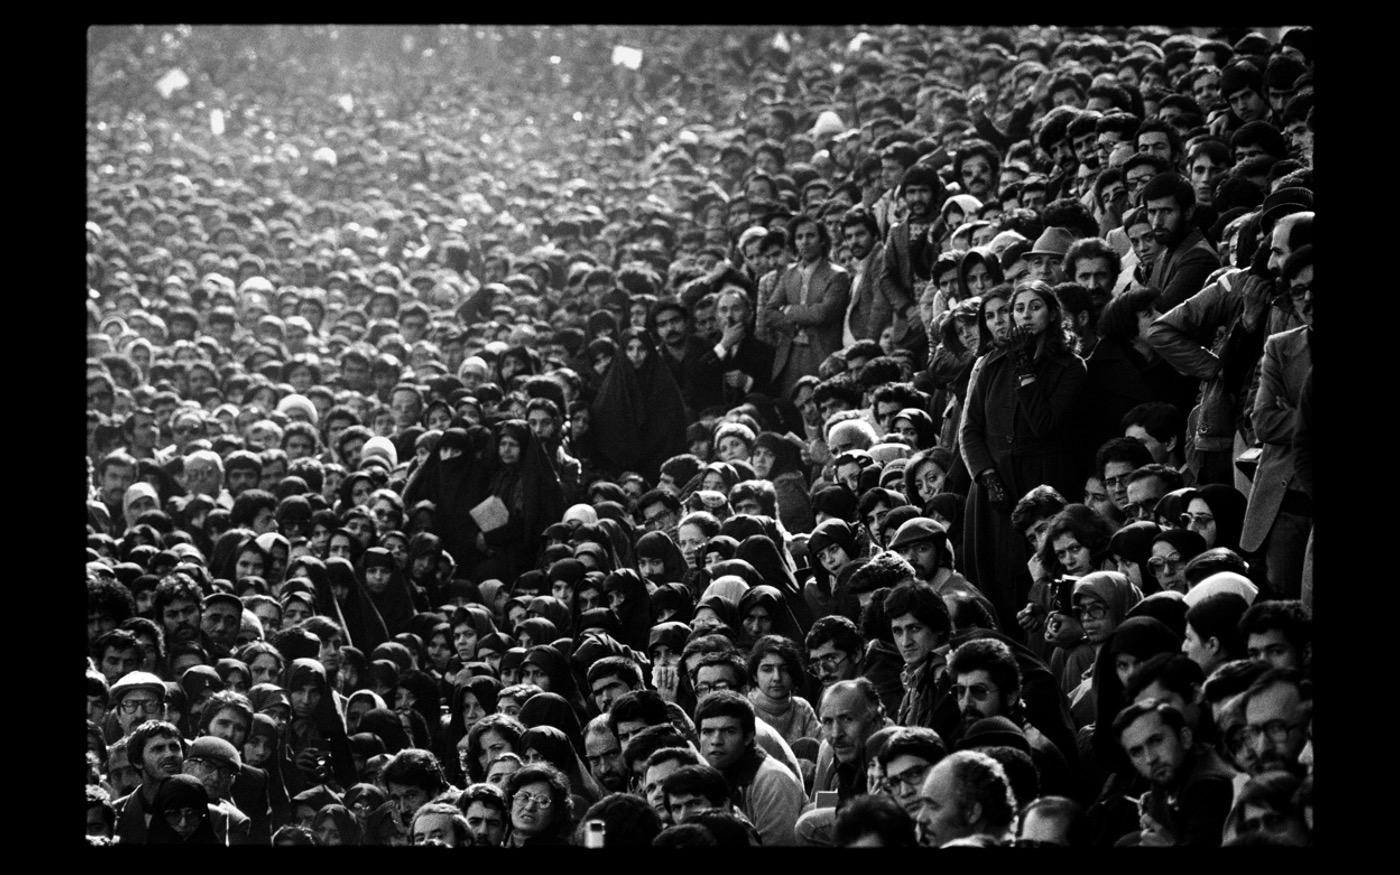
636	352
714	482
1094	615
998	317
762	460
1031	312
928	480
1073	555
377	579
508	448
1202	521
833	558
249	564
774	677
968	335
732	448
758	622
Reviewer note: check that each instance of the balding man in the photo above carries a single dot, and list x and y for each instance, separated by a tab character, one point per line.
204	475
966	794
851	712
740	363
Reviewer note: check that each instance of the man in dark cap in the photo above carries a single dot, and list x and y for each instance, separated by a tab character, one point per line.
216	763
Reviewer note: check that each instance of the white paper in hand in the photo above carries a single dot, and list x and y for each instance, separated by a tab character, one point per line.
491	514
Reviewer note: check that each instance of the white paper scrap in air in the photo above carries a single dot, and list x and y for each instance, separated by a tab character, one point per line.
172	82
627	57
216	122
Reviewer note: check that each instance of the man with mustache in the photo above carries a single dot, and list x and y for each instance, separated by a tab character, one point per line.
905	268
987	683
1191	786
1277	708
156	746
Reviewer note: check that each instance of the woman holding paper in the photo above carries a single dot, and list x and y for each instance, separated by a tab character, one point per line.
525	497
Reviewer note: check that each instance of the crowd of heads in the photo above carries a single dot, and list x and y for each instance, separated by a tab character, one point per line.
824	436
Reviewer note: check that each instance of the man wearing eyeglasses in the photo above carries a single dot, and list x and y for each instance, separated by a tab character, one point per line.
1191	786
1146	485
136	697
1277	707
215	762
907	758
834	649
987	683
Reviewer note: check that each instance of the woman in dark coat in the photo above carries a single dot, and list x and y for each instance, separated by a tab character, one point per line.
387	589
526	483
456	478
637	415
363	623
1014	434
629	599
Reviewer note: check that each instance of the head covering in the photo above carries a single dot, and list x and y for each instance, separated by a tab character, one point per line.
1227	504
675	597
724	545
994	732
1167	607
301	404
1223	581
382	447
729	587
636	411
1133	543
658	545
1111	588
671	633
634	613
768	598
135	492
386	725
211	748
558	750
174	793
345	822
581	513
553	711
774	565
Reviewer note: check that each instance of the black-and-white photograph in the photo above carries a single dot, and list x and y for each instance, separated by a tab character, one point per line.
630	436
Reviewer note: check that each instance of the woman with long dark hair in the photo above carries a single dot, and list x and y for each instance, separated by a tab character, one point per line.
1014	434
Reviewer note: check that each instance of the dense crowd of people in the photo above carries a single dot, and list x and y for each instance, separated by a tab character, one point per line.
608	436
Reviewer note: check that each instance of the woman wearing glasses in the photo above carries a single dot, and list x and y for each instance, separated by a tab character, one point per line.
1101	602
1216	513
1171	550
541	811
